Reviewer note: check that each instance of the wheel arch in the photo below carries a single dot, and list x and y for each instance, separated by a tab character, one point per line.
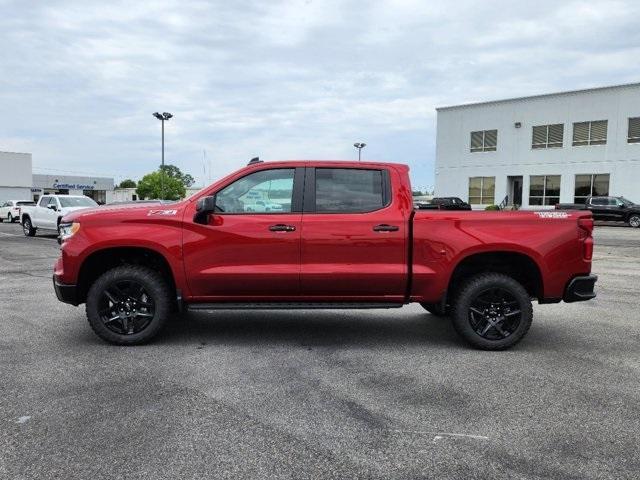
102	260
520	266
631	214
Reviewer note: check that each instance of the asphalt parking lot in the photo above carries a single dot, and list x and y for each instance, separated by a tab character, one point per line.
336	394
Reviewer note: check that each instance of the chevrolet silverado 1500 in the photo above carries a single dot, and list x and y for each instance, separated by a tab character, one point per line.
345	235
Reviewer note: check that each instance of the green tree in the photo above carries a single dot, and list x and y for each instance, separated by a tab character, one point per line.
416	193
127	183
150	187
174	172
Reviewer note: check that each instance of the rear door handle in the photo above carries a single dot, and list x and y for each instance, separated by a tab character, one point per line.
383	227
281	227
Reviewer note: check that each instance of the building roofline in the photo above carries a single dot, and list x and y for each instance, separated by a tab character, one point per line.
544	95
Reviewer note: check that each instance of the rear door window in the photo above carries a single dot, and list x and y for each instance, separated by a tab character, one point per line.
348	190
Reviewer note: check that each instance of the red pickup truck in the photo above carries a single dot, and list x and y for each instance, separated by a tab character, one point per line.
285	235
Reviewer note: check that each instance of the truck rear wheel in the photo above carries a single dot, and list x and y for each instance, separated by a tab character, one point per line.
492	311
27	228
128	305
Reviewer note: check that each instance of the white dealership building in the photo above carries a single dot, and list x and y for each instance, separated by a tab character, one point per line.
17	182
540	150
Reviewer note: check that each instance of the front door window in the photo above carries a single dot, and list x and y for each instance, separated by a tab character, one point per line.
267	191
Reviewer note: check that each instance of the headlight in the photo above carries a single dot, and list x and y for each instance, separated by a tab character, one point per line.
67	230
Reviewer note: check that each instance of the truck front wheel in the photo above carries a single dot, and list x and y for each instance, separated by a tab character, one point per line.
27	228
128	305
492	311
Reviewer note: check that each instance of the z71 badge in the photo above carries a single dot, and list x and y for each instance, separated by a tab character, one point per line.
162	212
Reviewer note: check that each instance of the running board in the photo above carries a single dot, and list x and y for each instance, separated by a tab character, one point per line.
289	306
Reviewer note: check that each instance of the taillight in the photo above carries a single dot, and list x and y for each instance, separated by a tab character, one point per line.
585	232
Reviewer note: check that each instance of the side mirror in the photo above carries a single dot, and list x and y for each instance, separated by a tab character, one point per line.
622	205
52	207
204	206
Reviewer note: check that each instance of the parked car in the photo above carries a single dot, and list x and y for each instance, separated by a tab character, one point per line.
262	206
10	210
451	203
349	239
617	209
443	203
46	215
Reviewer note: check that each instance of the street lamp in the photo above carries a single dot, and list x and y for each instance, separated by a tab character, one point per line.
359	146
162	117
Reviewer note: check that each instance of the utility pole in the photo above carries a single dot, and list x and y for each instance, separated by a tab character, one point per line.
163	117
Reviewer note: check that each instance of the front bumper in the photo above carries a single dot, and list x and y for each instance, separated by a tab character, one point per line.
580	289
66	293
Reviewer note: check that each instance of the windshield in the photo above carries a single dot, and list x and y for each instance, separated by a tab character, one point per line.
77	202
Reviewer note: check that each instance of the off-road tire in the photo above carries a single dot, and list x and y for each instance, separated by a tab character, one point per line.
468	293
154	284
27	227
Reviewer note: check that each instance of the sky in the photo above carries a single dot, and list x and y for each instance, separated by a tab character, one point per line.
79	80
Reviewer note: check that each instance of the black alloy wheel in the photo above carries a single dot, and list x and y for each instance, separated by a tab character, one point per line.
492	311
495	313
125	307
129	304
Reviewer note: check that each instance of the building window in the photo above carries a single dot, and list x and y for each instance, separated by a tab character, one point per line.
590	133
634	130
548	136
596	184
544	189
484	141
482	190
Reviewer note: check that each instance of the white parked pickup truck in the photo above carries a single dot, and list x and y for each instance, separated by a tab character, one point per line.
49	211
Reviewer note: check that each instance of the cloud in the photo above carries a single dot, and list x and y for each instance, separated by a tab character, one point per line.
283	79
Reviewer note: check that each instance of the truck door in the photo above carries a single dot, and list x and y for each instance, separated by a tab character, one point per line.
250	248
604	208
618	211
47	214
353	236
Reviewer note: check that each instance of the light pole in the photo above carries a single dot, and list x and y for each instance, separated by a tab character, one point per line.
162	117
359	146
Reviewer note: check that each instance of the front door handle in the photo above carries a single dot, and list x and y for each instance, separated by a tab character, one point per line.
281	227
383	227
